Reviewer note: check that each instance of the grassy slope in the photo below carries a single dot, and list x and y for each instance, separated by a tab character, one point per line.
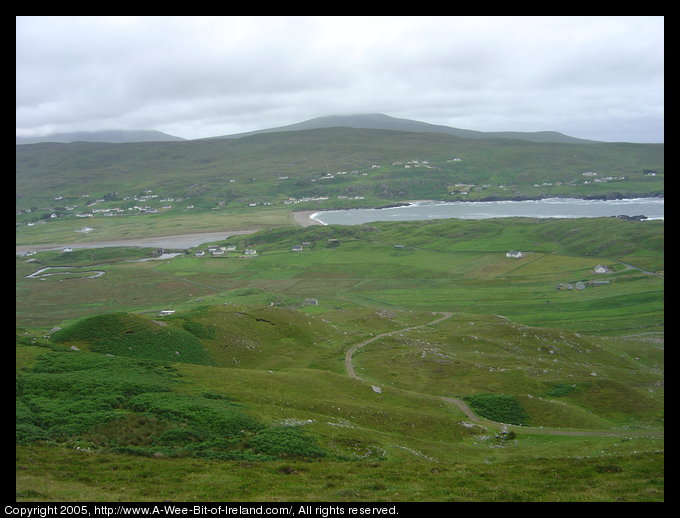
166	167
235	173
281	365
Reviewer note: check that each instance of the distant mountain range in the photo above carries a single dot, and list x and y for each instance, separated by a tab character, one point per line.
385	122
363	121
108	136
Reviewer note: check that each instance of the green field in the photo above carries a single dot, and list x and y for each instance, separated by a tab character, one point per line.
384	362
242	394
161	188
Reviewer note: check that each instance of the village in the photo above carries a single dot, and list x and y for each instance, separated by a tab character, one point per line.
148	202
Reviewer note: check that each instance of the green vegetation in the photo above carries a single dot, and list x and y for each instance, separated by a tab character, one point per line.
135	407
122	334
212	185
225	377
503	409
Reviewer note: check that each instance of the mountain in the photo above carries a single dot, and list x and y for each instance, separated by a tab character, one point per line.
108	136
385	122
379	166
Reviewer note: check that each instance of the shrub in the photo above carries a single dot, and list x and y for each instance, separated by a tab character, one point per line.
212	417
503	409
286	441
124	334
199	330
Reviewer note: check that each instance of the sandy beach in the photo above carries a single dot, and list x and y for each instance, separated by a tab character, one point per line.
174	241
302	217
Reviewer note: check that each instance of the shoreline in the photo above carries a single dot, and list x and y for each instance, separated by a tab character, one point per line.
171	241
305	218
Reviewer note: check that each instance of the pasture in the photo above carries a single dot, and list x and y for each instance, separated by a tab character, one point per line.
258	343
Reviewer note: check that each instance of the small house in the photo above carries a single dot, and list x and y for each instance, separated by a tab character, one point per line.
601	269
297	248
514	253
250	251
166	312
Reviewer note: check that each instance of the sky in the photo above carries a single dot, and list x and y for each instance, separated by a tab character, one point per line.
598	78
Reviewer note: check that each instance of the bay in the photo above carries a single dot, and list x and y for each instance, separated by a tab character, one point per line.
651	208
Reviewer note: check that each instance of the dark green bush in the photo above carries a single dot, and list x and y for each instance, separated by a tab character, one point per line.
199	330
129	405
286	441
213	417
503	409
125	334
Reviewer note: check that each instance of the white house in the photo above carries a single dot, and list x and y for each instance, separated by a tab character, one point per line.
250	251
166	312
601	269
514	253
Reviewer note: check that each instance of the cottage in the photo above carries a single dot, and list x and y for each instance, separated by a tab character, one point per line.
601	269
250	251
514	253
166	312
297	248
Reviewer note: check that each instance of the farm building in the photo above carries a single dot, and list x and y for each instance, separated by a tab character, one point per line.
514	253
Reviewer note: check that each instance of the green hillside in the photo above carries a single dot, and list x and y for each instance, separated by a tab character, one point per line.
384	362
385	122
375	165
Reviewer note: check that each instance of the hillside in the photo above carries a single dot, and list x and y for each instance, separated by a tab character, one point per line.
385	122
244	391
345	166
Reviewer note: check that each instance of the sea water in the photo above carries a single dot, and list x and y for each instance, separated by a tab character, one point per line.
650	208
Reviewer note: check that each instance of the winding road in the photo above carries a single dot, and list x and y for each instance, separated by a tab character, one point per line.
349	367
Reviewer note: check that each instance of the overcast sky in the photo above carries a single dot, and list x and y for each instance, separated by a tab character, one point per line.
598	78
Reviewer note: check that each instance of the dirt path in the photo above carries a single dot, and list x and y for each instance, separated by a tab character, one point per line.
463	406
348	355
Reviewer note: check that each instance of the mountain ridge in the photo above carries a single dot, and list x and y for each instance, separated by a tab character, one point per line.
104	136
382	121
357	121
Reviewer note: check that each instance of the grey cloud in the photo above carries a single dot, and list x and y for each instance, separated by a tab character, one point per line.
217	75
